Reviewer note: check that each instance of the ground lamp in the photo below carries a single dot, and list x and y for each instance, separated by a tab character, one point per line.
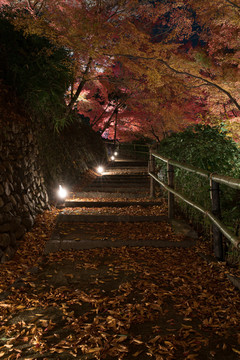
62	193
100	169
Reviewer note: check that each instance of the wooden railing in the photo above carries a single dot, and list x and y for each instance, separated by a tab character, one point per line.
131	149
218	227
138	151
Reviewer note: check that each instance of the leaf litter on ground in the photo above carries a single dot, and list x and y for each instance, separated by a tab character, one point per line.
122	303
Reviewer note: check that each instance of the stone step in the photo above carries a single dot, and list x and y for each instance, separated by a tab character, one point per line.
118	186
122	167
126	175
120	159
55	245
117	189
108	195
121	181
99	204
121	170
110	218
102	182
127	163
124	178
117	177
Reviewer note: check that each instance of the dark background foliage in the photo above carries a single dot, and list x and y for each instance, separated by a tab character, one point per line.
37	71
205	147
211	149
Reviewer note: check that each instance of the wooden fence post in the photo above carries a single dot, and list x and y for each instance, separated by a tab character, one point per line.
216	210
170	176
151	166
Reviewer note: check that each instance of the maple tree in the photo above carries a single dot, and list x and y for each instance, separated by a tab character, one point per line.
203	63
163	49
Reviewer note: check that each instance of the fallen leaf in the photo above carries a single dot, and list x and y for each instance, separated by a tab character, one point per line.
236	351
137	353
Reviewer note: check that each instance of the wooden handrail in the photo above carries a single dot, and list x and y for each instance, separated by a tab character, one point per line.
219	228
221	179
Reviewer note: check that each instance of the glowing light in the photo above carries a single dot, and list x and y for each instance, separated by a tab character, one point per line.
100	169
112	158
115	153
62	193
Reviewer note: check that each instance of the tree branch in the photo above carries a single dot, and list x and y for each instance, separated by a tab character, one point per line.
207	82
233	4
154	134
40	7
35	4
163	62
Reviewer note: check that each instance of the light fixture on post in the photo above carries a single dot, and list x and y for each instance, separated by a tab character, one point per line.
115	153
112	157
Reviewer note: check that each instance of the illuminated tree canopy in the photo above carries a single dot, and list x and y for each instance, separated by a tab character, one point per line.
145	67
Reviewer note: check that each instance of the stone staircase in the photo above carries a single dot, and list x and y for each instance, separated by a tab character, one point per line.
124	184
122	179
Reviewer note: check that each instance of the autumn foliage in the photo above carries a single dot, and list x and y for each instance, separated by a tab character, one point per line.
144	68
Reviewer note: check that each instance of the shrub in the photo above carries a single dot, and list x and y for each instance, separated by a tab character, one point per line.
208	148
36	71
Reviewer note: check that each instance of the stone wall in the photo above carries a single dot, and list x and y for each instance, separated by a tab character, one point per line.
67	155
22	190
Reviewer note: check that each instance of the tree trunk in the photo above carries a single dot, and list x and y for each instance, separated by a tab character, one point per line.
115	130
80	87
99	118
109	121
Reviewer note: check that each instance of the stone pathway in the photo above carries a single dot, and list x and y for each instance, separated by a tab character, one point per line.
127	286
126	179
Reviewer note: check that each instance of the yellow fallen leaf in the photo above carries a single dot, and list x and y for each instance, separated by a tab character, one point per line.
195	304
121	348
93	350
168	343
152	341
44	322
121	338
186	326
5	305
136	341
137	353
236	351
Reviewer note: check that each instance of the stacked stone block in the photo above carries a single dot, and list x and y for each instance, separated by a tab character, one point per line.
22	190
